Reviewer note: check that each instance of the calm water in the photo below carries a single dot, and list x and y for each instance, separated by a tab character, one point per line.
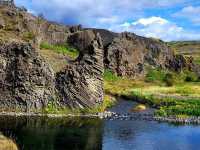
93	134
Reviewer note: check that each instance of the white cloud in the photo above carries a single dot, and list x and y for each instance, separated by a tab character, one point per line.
151	20
190	12
92	12
115	15
157	27
108	20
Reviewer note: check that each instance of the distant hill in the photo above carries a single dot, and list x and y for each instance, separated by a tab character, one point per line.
187	48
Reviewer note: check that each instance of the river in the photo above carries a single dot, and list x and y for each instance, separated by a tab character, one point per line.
94	134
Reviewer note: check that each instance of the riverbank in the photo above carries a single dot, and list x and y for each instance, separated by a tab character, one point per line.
180	99
122	111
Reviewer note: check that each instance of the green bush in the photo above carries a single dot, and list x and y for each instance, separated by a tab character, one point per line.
169	79
190	76
110	76
154	75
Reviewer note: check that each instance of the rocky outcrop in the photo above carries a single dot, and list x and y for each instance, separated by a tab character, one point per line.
81	84
26	81
29	28
129	54
107	36
178	63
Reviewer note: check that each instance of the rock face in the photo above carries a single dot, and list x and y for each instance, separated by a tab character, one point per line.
81	84
23	26
26	81
178	63
128	54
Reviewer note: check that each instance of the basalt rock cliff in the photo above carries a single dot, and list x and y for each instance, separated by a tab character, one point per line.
27	82
81	83
128	54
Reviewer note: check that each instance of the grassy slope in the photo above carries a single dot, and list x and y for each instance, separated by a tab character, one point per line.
58	55
187	48
183	98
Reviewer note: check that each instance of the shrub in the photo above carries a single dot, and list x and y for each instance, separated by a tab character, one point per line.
110	76
155	75
169	79
190	76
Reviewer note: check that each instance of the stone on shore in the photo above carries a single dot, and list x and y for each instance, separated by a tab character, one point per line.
7	144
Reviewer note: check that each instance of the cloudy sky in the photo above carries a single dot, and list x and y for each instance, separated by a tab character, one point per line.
166	19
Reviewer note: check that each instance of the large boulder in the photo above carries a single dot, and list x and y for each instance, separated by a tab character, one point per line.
81	84
26	81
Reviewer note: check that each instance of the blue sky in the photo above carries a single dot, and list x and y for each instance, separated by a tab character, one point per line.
168	20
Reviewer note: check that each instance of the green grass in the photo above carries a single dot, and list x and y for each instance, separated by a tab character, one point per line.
169	78
190	107
197	60
170	101
52	108
180	99
110	76
154	75
62	49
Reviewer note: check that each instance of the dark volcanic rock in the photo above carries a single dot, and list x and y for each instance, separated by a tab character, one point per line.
177	63
128	54
26	81
81	84
107	36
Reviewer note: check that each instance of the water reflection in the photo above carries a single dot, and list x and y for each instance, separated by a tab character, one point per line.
94	134
53	134
145	135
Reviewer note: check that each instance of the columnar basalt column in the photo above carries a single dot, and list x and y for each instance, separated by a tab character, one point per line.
81	84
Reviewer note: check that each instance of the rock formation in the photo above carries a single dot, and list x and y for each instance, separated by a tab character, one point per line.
26	81
23	26
81	84
129	54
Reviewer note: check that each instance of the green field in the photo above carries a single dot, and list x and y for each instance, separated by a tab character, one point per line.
181	98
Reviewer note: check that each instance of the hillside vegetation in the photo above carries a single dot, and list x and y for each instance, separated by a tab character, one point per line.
58	55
